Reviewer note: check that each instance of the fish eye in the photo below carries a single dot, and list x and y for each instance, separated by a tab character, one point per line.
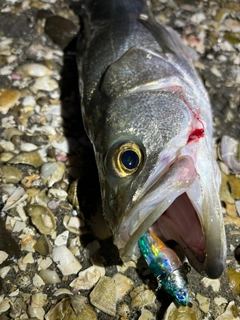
126	159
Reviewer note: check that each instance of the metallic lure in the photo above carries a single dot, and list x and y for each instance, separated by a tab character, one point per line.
166	266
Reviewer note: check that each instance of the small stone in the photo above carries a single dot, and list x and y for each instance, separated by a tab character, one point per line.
123	285
60	30
234	183
49	276
74	308
124	311
3	256
8	98
221	14
231	313
220	300
142	296
28	258
44	84
87	278
204	303
103	296
66	262
234	280
225	194
61	291
34	70
62	239
10	174
43	245
4	305
31	158
39	300
214	283
52	172
38	313
174	312
146	315
42	218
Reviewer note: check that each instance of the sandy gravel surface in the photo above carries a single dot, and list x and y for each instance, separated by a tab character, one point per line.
57	263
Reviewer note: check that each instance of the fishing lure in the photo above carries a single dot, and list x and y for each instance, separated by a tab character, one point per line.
166	266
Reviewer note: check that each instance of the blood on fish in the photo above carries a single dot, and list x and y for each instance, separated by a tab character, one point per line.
196	134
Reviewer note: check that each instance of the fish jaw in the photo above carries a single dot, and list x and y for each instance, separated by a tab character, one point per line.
183	205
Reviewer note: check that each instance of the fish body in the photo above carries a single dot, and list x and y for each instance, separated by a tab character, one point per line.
149	119
166	266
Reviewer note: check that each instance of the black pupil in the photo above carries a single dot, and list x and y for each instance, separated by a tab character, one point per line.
129	159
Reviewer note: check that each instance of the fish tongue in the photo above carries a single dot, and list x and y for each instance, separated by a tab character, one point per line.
181	224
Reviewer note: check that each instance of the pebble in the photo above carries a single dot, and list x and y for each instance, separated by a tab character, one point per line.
204	303
72	224
33	70
146	315
62	238
74	308
103	296
49	276
231	313
44	84
8	98
10	174
142	296
60	30
42	218
214	283
3	256
52	172
87	278
123	285
174	312
66	262
234	280
124	311
32	158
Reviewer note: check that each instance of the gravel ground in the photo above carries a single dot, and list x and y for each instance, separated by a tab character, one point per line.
57	263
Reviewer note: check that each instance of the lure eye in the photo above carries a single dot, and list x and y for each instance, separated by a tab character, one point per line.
126	159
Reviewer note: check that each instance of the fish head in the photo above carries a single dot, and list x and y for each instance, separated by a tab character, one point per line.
156	165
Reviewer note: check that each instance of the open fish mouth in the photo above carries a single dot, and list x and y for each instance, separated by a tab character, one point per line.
180	207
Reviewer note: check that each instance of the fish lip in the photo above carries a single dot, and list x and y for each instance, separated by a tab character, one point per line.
214	262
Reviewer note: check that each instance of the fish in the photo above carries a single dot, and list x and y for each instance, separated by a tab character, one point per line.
149	119
166	267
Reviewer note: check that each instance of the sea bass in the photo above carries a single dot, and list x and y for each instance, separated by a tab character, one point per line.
149	119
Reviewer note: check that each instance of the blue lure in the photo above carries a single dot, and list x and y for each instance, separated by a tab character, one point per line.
166	267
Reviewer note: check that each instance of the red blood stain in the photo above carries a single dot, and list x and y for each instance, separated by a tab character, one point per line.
196	134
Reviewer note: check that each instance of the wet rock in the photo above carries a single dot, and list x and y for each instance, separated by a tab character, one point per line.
10	174
8	98
42	218
66	262
234	183
31	158
103	296
60	30
179	313
142	296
